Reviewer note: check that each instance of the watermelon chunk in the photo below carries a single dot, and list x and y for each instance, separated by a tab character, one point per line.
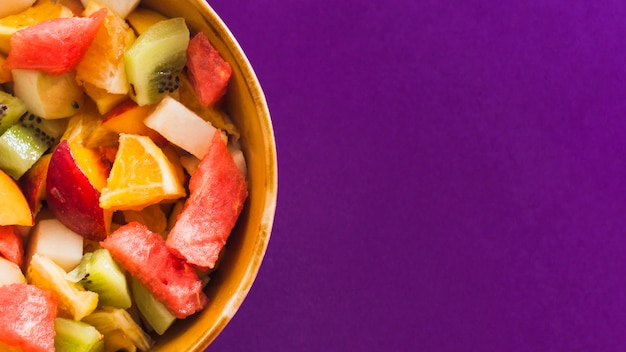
218	191
145	256
11	244
27	317
54	46
208	72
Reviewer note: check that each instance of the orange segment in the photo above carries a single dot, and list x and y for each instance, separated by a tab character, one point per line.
141	175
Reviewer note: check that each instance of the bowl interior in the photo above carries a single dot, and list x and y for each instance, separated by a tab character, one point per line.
245	104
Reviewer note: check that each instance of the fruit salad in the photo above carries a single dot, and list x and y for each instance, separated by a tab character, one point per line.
121	176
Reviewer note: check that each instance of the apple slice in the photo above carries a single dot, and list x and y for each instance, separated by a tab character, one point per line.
181	126
76	176
14	209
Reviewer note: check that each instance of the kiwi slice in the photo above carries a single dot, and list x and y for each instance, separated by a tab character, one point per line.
49	131
20	148
98	272
11	108
119	323
154	312
74	336
154	61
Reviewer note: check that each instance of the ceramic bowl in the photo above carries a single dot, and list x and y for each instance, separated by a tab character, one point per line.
245	103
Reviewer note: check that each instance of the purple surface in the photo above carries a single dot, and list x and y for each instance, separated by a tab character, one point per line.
452	175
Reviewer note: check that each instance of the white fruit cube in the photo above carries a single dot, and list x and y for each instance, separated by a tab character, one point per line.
52	239
10	273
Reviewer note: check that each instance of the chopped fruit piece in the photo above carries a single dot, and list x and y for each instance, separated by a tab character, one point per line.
10	273
113	321
11	246
5	74
121	7
217	194
76	336
33	183
55	46
103	63
181	126
155	60
169	278
73	195
11	109
128	117
15	6
20	148
54	240
104	100
156	313
142	18
135	183
208	72
27	317
14	209
152	216
74	301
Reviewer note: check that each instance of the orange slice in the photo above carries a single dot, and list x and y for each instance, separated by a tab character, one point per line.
141	175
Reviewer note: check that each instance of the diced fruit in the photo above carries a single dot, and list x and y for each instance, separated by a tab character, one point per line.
154	312
11	246
169	278
55	46
48	131
121	7
11	108
74	301
74	336
152	216
104	100
208	71
48	96
20	148
142	18
5	74
75	6
10	273
33	183
181	126
14	209
103	63
15	6
217	194
52	239
128	117
111	321
98	272
73	195
85	129
27	317
41	11
135	183
155	59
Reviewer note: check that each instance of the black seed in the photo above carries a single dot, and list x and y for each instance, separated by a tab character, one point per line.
75	105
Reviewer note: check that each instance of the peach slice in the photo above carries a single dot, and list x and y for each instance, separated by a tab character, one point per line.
75	178
33	183
127	117
14	208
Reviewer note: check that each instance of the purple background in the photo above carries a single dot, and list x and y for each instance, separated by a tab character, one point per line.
452	175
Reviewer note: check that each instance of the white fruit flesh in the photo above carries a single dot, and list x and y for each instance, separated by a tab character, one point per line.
10	273
181	126
52	239
14	6
121	7
51	97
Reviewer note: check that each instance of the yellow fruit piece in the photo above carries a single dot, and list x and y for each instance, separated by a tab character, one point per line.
85	128
103	63
141	175
74	301
43	10
142	18
152	216
5	75
104	100
14	208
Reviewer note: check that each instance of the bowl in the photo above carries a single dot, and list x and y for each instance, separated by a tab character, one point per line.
246	105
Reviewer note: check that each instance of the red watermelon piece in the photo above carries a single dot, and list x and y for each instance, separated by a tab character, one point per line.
55	46
27	317
145	256
11	246
208	72
218	191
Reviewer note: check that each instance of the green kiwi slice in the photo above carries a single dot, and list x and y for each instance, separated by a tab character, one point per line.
154	312
11	108
20	148
155	59
98	272
74	335
49	131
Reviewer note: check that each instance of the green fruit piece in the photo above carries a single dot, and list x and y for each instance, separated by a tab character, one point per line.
76	336
118	323
11	108
49	131
48	96
98	272
155	60
153	311
19	150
